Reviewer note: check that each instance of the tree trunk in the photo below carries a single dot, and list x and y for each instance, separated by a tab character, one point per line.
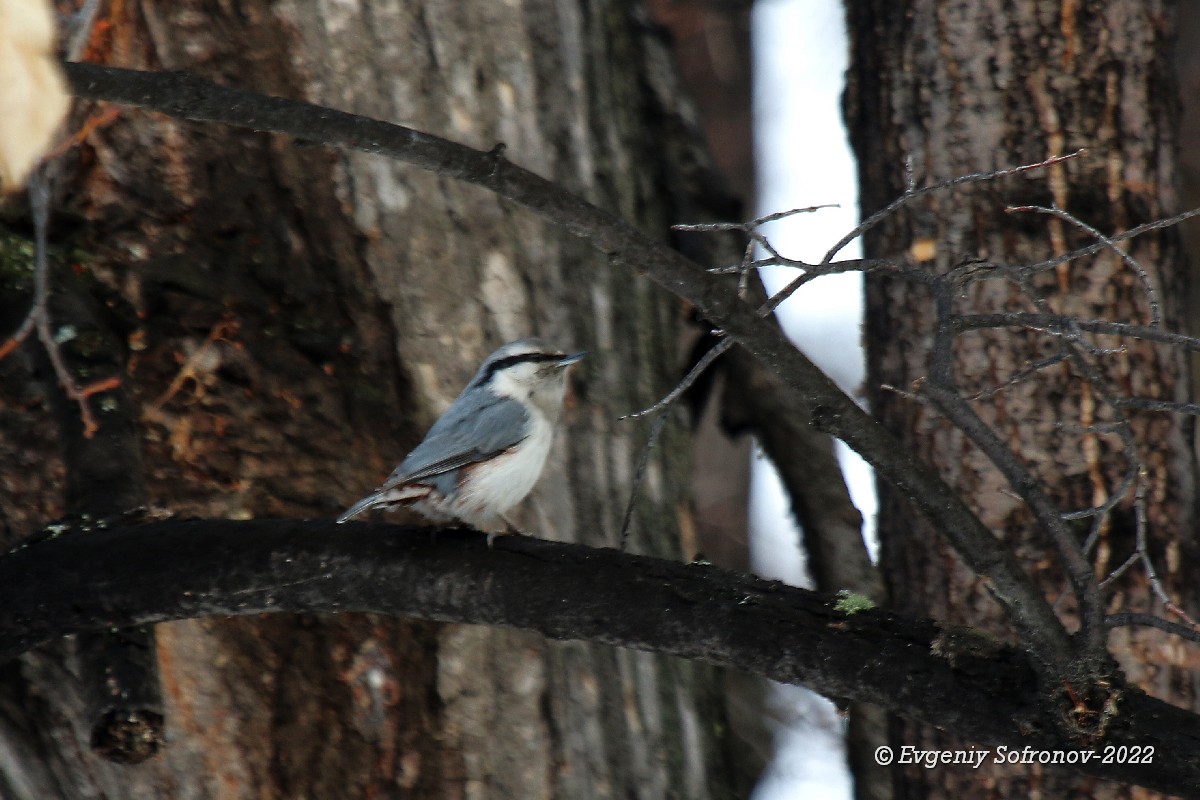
966	87
297	319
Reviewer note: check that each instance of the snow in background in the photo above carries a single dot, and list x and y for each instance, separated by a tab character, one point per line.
804	160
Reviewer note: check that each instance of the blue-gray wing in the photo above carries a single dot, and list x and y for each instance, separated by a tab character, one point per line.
467	433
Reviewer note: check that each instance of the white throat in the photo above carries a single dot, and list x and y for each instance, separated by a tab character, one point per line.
540	392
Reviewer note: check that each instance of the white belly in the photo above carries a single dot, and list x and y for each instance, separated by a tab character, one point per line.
492	488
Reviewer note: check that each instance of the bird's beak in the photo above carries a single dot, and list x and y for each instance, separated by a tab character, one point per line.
567	361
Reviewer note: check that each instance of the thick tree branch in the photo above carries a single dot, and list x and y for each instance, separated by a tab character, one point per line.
184	95
983	690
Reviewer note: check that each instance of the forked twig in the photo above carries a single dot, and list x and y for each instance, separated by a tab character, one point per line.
912	193
1024	373
1142	528
39	200
754	238
1059	324
639	477
1130	261
18	338
1128	619
704	362
1096	247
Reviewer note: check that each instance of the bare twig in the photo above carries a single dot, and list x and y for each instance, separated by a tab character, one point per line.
907	395
1158	224
742	268
744	272
1020	375
22	333
1154	404
756	237
1094	427
1075	349
91	124
640	475
695	372
810	272
747	227
828	266
663	407
835	267
39	199
1142	527
912	193
1127	619
1121	570
1130	261
1059	323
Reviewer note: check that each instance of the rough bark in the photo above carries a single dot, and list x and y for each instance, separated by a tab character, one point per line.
298	318
967	87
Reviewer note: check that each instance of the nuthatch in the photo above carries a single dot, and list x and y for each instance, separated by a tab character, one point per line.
485	453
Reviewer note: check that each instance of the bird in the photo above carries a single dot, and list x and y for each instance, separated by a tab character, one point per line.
484	454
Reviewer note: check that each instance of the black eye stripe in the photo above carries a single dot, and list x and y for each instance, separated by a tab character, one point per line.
509	361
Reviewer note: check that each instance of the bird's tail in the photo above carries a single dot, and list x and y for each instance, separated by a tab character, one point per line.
359	507
388	497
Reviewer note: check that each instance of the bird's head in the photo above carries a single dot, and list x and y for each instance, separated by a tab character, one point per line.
529	371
